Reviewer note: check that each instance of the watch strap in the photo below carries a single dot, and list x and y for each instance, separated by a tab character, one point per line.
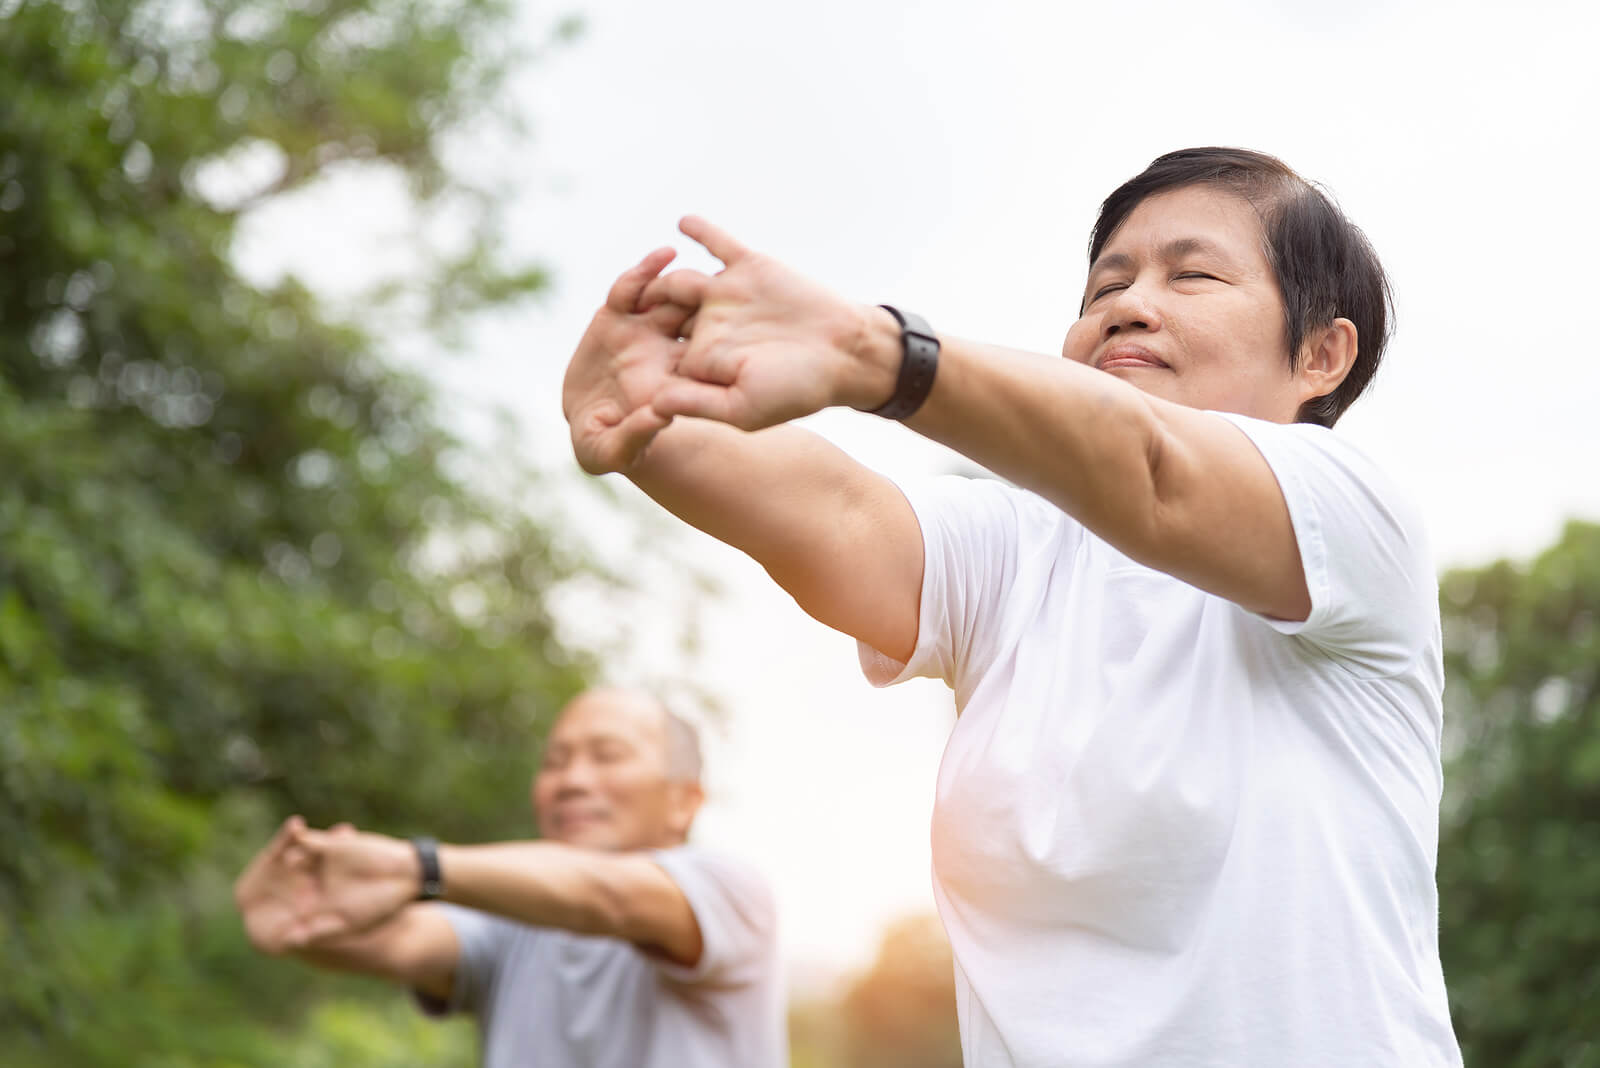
919	361
432	879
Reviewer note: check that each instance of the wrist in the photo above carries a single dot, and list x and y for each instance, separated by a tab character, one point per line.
874	360
917	366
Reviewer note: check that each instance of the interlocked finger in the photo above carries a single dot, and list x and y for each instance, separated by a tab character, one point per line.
717	241
625	292
685	288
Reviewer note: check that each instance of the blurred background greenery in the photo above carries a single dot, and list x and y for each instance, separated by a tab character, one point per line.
243	572
240	574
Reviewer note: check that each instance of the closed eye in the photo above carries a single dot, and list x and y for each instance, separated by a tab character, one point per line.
1103	290
1197	274
610	753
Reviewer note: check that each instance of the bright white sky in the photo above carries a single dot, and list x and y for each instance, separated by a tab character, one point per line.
950	157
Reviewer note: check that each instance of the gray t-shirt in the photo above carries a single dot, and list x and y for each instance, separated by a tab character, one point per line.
547	998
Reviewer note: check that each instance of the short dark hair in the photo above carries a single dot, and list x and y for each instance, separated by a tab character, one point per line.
1325	267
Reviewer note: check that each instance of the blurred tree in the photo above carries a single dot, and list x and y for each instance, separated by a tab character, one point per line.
239	573
900	1013
1519	854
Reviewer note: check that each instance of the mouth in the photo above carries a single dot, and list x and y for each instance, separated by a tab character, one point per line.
1127	355
571	819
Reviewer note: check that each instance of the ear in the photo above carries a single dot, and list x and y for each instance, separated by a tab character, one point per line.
1326	358
684	801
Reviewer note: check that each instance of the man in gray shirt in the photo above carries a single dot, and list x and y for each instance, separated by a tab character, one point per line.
608	943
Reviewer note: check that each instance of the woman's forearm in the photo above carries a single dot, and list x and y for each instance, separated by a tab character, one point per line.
1175	488
837	536
1080	438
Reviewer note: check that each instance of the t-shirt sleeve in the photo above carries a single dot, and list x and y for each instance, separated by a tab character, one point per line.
1374	597
978	537
482	938
737	916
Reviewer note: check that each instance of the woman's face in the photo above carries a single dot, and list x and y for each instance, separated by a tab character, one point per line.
1183	304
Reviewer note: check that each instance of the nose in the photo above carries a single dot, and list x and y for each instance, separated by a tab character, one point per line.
576	779
1129	309
572	786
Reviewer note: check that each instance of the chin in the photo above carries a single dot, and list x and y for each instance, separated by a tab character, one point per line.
588	836
605	840
1155	381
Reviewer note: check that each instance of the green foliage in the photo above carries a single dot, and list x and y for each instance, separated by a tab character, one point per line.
238	576
1519	855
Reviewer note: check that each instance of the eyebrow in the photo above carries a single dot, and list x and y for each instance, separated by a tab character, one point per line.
1176	249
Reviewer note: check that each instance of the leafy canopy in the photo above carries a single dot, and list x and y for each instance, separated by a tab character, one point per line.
1519	852
240	573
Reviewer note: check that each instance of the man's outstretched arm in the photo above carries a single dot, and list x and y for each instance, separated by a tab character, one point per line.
363	880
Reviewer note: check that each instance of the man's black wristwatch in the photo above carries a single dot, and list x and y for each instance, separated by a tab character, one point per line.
432	879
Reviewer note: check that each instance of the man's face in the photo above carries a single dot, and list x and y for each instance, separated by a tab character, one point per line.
604	780
1183	304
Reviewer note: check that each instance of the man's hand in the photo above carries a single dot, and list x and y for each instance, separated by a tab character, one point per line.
357	881
624	359
766	345
272	890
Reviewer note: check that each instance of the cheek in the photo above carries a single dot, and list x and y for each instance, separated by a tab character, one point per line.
1079	345
1219	335
645	796
1260	321
623	784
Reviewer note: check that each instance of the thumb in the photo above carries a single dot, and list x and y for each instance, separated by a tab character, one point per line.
615	448
312	841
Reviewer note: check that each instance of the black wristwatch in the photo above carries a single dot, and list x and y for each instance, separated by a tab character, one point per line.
432	879
919	360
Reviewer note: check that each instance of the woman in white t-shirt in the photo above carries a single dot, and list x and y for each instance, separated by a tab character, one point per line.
1189	811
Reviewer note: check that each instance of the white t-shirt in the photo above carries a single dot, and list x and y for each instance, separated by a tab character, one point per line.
552	999
1169	831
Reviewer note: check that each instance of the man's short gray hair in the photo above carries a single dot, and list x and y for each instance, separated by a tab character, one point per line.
683	748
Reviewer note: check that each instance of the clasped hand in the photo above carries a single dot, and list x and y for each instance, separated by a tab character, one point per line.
752	346
309	886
